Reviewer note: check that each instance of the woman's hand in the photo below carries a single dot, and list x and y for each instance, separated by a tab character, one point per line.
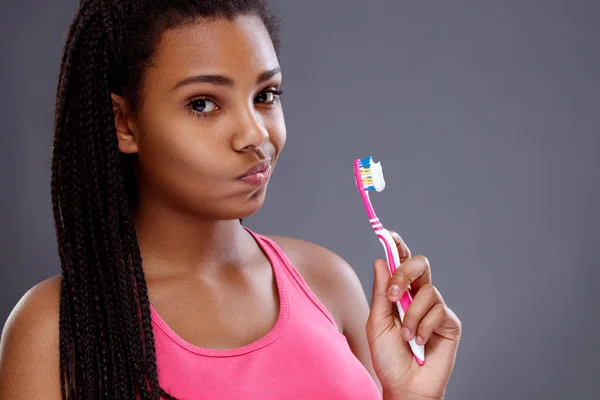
428	319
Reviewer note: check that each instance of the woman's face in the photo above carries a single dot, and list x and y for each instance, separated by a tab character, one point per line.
210	112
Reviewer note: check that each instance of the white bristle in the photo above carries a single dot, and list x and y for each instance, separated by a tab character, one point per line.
377	176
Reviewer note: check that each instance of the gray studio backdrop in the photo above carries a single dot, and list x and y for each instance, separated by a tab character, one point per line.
485	115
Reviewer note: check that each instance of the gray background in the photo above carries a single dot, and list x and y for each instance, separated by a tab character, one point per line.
485	116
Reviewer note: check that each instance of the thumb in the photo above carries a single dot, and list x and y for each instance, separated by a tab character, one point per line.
381	306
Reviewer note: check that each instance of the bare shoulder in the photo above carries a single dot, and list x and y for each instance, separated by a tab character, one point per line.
29	347
328	275
301	251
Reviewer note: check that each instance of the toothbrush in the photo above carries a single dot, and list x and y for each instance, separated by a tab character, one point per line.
369	176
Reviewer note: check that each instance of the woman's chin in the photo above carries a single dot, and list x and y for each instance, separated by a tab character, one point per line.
244	208
251	207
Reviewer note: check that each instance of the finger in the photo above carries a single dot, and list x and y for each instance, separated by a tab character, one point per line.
414	272
423	302
434	319
425	278
380	305
403	249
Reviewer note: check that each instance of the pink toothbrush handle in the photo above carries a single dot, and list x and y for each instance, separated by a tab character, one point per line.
393	260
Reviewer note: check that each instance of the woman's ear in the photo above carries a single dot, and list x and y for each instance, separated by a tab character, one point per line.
124	124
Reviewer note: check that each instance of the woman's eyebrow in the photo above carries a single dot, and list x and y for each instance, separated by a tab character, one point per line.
265	76
222	80
219	80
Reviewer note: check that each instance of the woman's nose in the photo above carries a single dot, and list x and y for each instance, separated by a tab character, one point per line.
251	133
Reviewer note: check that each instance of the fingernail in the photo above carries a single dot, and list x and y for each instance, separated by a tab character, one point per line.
420	341
394	290
406	334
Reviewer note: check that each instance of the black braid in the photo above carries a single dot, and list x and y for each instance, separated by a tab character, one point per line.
106	340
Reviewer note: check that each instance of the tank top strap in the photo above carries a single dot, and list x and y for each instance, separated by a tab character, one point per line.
275	252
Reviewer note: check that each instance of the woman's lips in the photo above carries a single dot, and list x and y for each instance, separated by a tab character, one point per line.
259	174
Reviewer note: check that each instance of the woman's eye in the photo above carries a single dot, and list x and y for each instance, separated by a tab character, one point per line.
202	105
265	97
268	96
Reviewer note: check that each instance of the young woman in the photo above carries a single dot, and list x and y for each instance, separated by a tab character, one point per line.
168	125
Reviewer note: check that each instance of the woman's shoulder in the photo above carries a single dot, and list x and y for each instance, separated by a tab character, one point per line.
34	319
37	309
303	253
29	348
332	279
315	261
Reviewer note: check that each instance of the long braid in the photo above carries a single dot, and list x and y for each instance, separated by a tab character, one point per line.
107	348
118	214
101	266
87	288
60	150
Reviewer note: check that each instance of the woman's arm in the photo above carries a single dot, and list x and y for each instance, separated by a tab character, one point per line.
354	312
29	348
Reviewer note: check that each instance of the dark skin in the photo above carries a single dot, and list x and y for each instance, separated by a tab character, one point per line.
193	142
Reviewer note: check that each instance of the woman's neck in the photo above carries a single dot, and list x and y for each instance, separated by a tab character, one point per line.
174	243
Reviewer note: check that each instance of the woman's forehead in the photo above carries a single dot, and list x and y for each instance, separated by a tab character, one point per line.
216	45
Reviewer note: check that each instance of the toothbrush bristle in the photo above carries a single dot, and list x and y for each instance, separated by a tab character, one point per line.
366	175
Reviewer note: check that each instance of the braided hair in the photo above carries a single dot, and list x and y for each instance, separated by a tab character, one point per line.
106	341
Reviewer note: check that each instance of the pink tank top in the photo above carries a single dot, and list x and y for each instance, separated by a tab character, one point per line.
303	357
